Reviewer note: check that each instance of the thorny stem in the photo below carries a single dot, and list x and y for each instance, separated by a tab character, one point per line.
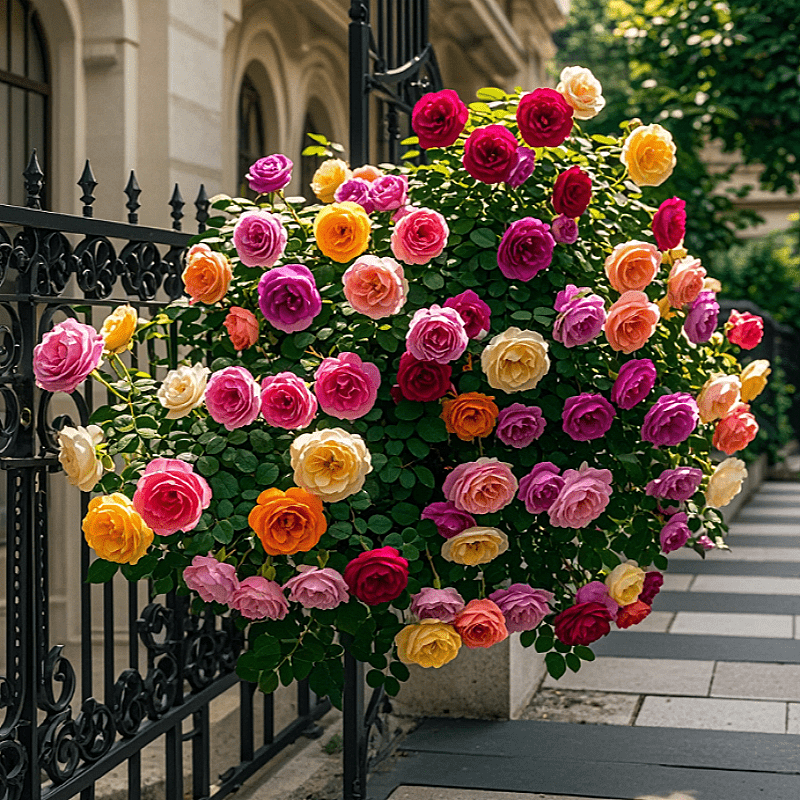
437	582
291	208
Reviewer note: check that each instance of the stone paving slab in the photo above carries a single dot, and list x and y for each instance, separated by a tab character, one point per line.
793	719
708	623
746	584
654	622
738	529
740	553
587	708
774	542
434	793
727	566
677	583
757	681
705	713
765	518
734	603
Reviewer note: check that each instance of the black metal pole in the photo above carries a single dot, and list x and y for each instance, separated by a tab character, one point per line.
359	76
354	754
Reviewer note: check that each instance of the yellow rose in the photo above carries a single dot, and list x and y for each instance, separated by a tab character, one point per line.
515	360
78	457
331	463
665	308
342	231
649	155
725	482
754	379
712	285
582	91
118	329
183	389
475	546
625	583
718	395
429	643
115	531
330	175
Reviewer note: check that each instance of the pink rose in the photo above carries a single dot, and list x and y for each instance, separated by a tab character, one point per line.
375	287
287	402
520	425
449	520
685	281
481	487
669	223
170	496
66	356
258	598
317	588
581	315
388	192
346	386
675	533
437	334
242	327
597	592
355	190
587	416
634	382
705	542
539	489
438	118
564	229
676	484
233	397
419	236
523	169
259	238
583	497
744	329
441	604
476	314
523	606
735	430
670	420
270	174
213	580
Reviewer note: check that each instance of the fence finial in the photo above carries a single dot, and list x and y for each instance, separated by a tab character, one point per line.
88	183
34	180
177	203
133	191
201	204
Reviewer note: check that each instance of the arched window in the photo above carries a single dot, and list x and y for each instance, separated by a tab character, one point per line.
316	121
251	132
24	97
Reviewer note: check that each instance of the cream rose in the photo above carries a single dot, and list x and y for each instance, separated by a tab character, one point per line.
330	175
582	91
476	545
331	463
649	155
718	395
118	329
183	389
515	360
754	379
625	583
78	455
725	482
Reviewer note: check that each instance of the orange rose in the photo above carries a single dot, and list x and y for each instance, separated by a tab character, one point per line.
114	529
685	281
735	430
631	321
342	231
288	522
207	275
481	624
631	266
469	415
367	173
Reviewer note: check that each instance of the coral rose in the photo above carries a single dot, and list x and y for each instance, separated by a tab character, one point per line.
368	172
258	598
632	614
375	287
429	643
66	356
669	223
346	386
183	389
118	329
632	266
718	395
475	546
287	522
725	482
207	275
572	192
480	487
735	430
583	497
685	281
115	530
242	327
377	576
342	231
481	624
470	415
330	175
259	238
515	360
438	118
625	582
649	155
317	588
582	91
631	321
754	379
420	236
544	118
745	329
213	580
582	624
77	454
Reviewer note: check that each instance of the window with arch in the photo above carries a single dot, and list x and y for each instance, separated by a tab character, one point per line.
24	96
251	140
316	121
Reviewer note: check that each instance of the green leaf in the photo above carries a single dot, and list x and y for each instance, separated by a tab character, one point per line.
543	644
399	670
267	474
418	448
379	524
223	531
433	280
405	513
432	429
207	466
584	653
375	678
224	486
556	665
101	571
573	662
268	682
483	237
408	410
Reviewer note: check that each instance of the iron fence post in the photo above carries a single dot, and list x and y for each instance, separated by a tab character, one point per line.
354	743
359	75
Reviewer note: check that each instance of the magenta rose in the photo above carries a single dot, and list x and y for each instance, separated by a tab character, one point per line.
520	425
480	487
377	576
170	496
388	192
419	236
438	118
442	604
449	520
523	169
701	319
675	484
287	402
669	223
523	606
675	533
346	386
423	381
587	416
233	397
634	382
525	249
597	592
476	314
544	118
583	624
490	153
270	174
581	316
583	497
355	190
564	229
313	587
259	238
437	334
66	356
653	581
258	598
670	420
572	192
213	580
705	542
539	489
288	298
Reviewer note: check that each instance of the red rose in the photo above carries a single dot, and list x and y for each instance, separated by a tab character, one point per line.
745	329
423	381
632	614
572	192
583	623
544	118
669	223
490	153
377	576
438	118
653	581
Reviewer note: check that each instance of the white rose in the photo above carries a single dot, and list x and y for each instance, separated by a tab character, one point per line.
582	91
515	360
183	389
725	482
78	456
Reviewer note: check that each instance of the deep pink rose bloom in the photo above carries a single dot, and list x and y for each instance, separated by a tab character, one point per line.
288	298
258	598
669	223
523	606
701	319
170	496
438	118
587	416
388	192
449	520
675	484
525	249
583	497
539	489
583	624
233	398
287	402
377	576
423	381
705	542
213	580
675	533
653	581
526	161
476	314
317	588
437	334
544	118
597	592
490	153
442	604
564	229
66	356
671	419
419	236
634	382
581	316
259	238
572	192
356	190
744	329
270	174
520	425
346	386
480	487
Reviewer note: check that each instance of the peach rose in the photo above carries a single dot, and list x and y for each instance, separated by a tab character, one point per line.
330	175
476	545
481	624
342	231
481	487
207	275
754	379
288	522
470	415
242	327
631	321
375	287
632	266
367	173
429	643
686	281
735	430
718	395
582	91
118	329
649	155
625	583
725	482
